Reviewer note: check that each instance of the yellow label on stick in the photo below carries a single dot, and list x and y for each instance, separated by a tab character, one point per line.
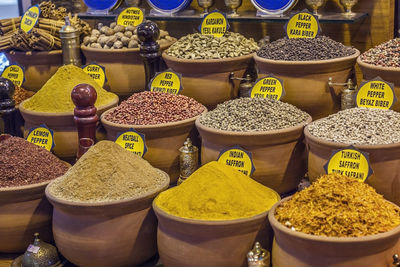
30	18
41	136
350	162
302	25
131	16
268	87
237	158
132	141
166	82
215	24
376	94
15	74
97	72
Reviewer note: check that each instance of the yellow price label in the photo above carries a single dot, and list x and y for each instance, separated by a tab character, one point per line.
132	141
15	74
30	18
41	136
268	87
302	25
215	24
131	16
376	94
97	72
166	82
350	162
237	158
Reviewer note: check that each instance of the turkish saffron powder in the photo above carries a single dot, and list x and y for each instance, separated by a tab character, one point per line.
338	206
217	192
55	95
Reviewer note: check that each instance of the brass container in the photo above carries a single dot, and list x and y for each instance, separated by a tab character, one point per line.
233	5
205	4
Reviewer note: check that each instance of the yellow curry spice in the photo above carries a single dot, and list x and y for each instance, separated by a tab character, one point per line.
338	206
217	192
55	95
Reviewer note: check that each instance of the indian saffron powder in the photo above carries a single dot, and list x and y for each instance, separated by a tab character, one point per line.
217	192
55	95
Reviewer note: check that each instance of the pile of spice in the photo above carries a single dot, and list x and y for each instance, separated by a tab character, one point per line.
148	108
24	163
384	55
338	206
199	46
20	94
253	114
305	49
117	37
55	95
359	126
217	192
108	172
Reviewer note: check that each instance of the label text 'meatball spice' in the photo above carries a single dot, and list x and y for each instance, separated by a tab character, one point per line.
384	55
338	206
149	108
24	163
198	46
359	126
108	172
305	49
253	114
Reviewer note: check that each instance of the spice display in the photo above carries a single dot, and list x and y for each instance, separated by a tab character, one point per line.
359	126
24	163
384	55
305	49
108	172
198	46
44	36
217	192
20	94
117	37
338	206
55	95
149	108
253	114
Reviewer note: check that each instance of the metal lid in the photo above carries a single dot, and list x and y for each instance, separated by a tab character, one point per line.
41	254
170	6
273	6
100	5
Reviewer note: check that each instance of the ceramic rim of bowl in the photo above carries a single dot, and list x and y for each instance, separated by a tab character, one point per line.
148	126
65	113
275	223
318	140
122	50
35	53
163	213
153	193
211	61
309	62
374	67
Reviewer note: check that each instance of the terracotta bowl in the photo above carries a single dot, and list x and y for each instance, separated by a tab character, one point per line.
306	82
190	242
162	140
39	66
278	155
117	233
24	210
207	81
65	132
384	160
386	73
293	248
124	68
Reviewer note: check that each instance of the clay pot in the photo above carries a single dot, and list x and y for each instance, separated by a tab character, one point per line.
116	233
388	74
278	155
208	81
124	68
162	140
306	82
191	243
24	210
293	248
39	66
63	125
384	161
